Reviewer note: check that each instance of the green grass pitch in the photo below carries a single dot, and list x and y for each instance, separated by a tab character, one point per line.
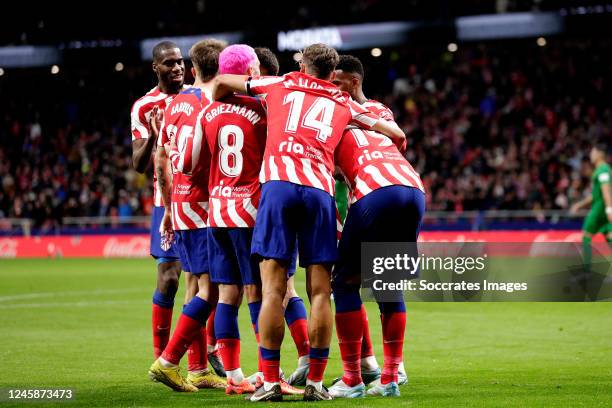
85	324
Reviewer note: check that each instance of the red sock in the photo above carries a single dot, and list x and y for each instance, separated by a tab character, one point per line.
366	344
394	325
318	362
210	329
186	331
162	321
196	355
259	363
230	353
270	361
350	332
299	333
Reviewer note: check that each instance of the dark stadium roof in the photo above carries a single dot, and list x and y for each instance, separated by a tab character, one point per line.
55	22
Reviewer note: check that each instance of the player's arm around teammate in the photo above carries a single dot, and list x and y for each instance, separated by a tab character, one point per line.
295	310
169	68
189	220
297	198
164	180
235	146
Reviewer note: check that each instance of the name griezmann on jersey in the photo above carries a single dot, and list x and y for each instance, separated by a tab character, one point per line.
249	114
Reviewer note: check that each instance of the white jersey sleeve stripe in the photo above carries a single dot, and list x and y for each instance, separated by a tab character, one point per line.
393	171
265	81
143	130
179	224
362	187
234	216
197	141
216	212
248	206
290	169
135	114
377	176
328	178
273	169
414	175
204	205
306	166
193	216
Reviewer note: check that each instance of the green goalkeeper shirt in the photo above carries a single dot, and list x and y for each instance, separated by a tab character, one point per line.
601	176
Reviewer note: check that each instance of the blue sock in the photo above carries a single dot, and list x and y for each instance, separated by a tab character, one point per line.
226	322
319	352
198	309
268	354
165	301
347	299
254	308
295	310
391	307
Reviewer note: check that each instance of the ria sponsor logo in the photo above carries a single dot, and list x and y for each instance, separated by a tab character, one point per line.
221	191
367	156
291	147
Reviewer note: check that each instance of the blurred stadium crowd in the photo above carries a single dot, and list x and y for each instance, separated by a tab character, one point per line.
499	126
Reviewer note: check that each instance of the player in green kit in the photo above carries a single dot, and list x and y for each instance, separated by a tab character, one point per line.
599	219
341	196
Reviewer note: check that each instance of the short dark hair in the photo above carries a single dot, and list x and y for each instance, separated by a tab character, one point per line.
320	60
159	49
601	146
350	64
204	56
267	60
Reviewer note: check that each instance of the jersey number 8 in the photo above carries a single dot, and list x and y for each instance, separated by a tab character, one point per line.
231	141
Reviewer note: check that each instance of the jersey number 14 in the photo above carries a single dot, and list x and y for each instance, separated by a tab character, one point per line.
318	117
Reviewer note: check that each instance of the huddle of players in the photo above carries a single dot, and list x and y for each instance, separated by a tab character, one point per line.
252	181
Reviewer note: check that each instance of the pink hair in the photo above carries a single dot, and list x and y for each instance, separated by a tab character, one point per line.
236	59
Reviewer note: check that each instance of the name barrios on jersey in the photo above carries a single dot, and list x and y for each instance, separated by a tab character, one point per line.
184	107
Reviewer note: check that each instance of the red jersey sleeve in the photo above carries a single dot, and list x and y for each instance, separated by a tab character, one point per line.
379	109
139	126
262	85
162	138
360	116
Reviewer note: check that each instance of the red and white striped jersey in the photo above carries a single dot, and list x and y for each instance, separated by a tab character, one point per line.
139	117
370	160
306	118
379	109
235	131
383	112
189	191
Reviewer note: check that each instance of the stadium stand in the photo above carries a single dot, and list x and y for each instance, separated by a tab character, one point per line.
501	126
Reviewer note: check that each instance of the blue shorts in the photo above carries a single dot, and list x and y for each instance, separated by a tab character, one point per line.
389	214
193	250
229	251
290	211
156	251
229	254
